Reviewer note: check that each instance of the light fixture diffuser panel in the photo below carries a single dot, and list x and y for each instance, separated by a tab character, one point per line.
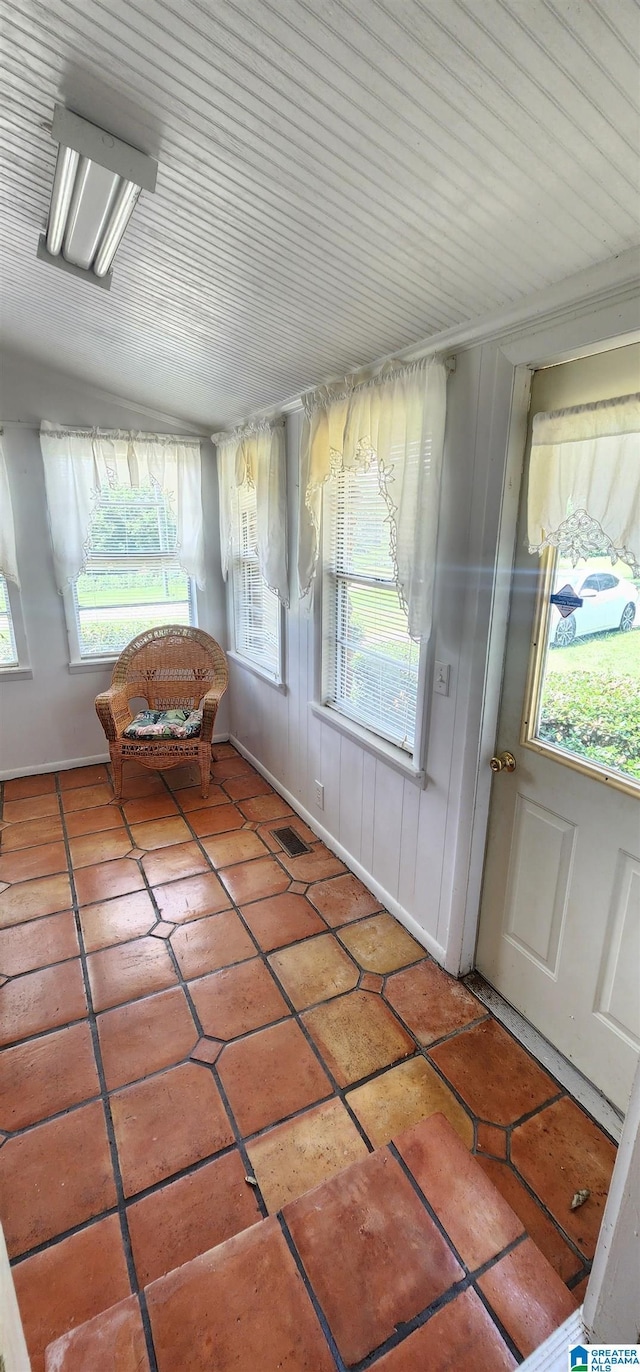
43	255
91	205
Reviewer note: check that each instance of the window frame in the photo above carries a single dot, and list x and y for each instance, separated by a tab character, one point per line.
410	764
276	678
20	670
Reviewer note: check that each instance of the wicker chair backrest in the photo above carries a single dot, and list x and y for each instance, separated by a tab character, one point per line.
171	667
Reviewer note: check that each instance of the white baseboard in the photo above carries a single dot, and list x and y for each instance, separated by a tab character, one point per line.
40	768
552	1355
432	946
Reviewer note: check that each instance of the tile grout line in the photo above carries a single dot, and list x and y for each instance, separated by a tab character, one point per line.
404	1331
395	1153
339	1093
502	1330
184	986
106	1105
115	1209
319	1312
57	1239
562	1089
571	1243
294	1015
241	1144
472	1275
268	953
579	1276
264	957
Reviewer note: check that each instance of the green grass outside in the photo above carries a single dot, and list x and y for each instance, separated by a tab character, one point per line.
598	654
114	589
591	701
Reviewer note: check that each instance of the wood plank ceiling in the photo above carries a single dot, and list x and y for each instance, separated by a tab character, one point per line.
338	178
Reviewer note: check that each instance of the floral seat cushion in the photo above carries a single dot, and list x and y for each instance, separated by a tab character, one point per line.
165	724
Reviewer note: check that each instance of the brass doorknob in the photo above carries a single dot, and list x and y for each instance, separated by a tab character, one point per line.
503	762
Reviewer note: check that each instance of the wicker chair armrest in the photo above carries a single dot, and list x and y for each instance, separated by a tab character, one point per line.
209	705
112	709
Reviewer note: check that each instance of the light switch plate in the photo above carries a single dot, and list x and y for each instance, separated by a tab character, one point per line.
441	678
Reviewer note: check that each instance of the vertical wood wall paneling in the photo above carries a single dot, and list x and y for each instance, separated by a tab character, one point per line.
392	828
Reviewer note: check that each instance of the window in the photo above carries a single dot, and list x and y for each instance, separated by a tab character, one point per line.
257	615
370	664
132	579
8	650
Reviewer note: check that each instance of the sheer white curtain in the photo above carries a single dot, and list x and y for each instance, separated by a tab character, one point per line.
395	421
79	463
584	481
256	456
8	560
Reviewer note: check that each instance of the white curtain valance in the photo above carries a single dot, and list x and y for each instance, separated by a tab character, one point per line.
8	560
79	463
256	456
397	421
584	481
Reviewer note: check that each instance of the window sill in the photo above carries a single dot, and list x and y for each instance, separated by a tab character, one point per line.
16	674
93	664
387	752
277	683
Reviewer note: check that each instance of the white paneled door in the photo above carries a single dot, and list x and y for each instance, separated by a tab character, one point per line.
559	930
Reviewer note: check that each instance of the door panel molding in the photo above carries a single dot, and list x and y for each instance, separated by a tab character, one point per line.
540	867
616	1001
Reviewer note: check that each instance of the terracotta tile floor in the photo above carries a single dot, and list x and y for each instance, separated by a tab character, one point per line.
184	1006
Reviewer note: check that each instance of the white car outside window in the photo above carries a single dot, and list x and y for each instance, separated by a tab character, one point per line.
608	602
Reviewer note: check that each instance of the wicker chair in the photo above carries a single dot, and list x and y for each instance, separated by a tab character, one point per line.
171	667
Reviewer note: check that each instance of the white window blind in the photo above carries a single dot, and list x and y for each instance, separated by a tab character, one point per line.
132	579
256	609
8	650
370	662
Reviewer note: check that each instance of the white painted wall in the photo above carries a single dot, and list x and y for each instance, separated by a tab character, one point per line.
402	838
422	851
50	719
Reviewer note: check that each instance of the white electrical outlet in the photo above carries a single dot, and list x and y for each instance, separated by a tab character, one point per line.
441	678
319	794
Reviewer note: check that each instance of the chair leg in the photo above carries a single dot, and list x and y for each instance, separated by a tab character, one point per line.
205	773
116	764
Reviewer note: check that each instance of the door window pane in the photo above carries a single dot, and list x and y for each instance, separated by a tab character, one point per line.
588	701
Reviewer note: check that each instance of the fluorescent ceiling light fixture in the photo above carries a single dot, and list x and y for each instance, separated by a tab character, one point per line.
95	188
